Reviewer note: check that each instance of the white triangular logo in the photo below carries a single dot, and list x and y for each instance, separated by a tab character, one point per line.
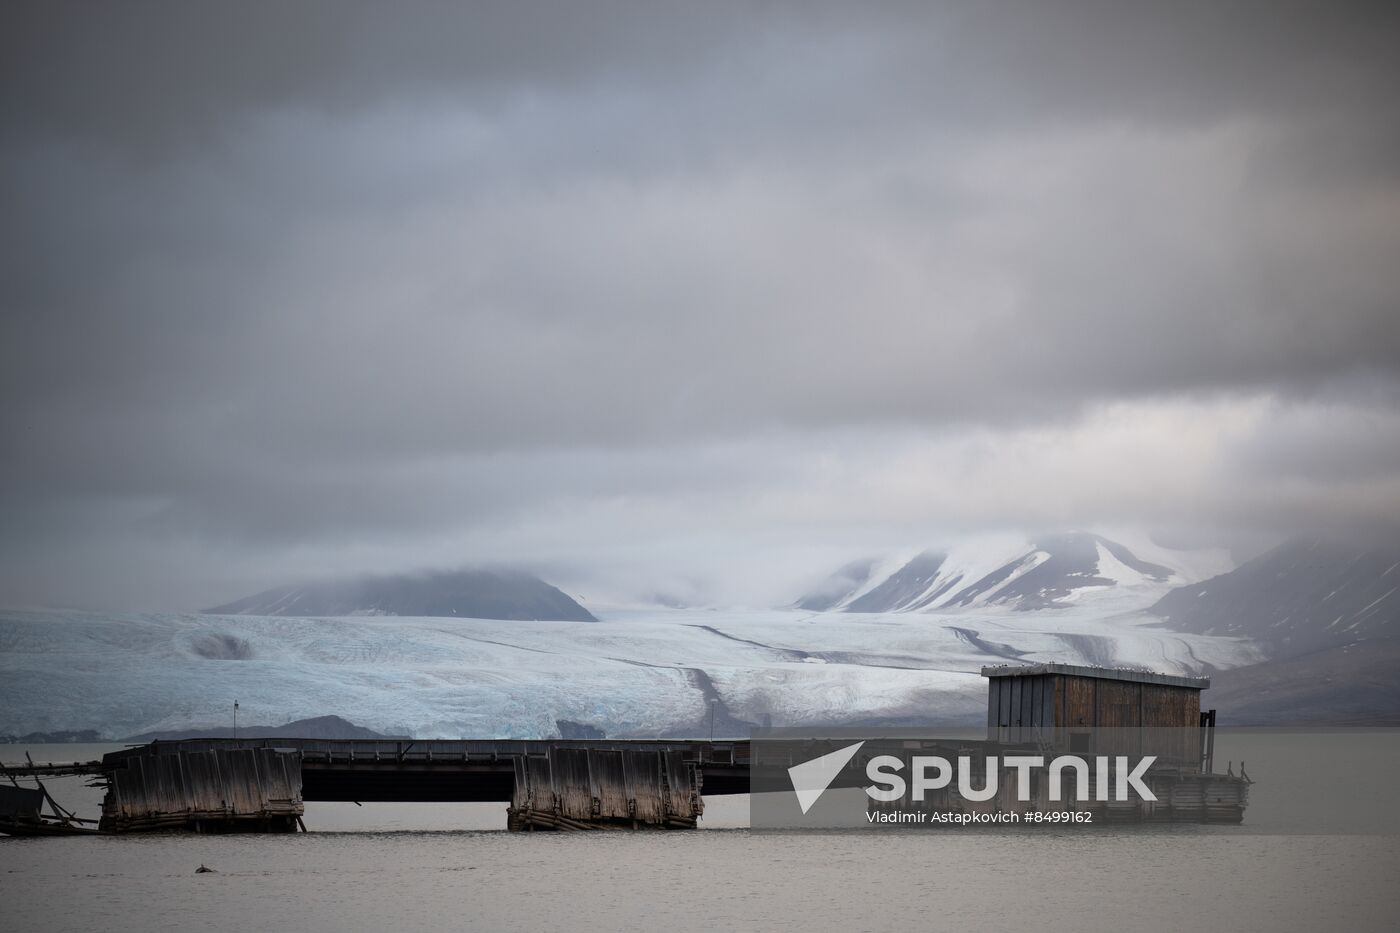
811	778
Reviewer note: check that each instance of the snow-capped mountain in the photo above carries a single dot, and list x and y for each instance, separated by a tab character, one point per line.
1049	572
468	594
1301	596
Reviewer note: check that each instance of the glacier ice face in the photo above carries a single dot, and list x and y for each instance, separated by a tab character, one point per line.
637	672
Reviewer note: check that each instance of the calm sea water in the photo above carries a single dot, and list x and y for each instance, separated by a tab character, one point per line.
1291	868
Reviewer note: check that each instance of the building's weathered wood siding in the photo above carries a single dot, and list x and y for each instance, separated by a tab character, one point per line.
1081	701
1019	709
1119	713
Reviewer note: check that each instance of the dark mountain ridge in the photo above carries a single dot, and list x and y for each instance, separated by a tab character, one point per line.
1347	685
1305	595
471	594
317	727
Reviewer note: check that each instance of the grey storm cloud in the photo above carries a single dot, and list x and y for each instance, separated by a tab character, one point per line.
313	288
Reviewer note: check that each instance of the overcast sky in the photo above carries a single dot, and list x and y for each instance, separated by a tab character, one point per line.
692	299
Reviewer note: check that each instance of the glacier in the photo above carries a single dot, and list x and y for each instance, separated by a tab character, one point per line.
637	672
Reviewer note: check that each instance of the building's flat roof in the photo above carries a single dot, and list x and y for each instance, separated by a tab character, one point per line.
1102	673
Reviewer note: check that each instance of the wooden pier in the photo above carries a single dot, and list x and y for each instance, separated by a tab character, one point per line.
259	785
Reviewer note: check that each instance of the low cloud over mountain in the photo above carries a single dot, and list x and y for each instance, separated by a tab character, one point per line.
473	594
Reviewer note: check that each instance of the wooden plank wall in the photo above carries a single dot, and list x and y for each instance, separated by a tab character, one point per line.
573	787
188	788
1020	709
1081	701
641	775
609	784
682	786
587	788
1163	720
1140	718
534	785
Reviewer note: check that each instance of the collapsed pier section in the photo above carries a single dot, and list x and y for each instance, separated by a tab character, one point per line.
207	790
